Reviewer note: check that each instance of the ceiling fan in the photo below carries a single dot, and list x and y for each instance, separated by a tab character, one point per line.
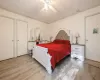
47	5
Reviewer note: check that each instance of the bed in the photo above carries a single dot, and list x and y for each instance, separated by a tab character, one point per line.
49	54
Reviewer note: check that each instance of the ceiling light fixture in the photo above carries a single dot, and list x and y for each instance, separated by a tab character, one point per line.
47	5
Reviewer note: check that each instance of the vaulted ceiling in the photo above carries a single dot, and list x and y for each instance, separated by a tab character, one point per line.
33	8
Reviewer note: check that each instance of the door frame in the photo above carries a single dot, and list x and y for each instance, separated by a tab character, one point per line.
85	28
14	53
17	36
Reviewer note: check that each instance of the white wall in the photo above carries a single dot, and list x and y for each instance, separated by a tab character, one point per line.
73	23
32	24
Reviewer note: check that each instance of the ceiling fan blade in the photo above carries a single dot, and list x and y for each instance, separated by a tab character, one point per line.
52	8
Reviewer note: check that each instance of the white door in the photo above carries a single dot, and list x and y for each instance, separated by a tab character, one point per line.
6	38
21	37
93	38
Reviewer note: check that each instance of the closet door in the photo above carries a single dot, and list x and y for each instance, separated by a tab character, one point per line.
93	37
22	30
6	38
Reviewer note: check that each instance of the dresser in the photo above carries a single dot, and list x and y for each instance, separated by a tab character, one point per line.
77	51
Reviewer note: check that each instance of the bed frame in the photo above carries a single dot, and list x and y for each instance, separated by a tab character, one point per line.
41	53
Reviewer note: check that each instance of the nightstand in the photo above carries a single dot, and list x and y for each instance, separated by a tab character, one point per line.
44	41
77	51
31	45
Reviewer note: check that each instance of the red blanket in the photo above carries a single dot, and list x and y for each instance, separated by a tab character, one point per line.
58	49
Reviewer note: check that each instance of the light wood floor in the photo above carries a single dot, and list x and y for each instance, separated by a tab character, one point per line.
26	68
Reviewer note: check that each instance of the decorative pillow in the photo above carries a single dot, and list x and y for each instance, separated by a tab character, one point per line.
57	41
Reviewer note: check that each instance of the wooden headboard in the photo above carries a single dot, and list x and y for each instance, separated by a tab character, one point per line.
62	35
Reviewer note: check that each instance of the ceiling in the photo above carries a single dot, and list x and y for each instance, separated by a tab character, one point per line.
32	8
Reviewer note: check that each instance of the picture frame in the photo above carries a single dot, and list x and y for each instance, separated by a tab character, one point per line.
95	30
